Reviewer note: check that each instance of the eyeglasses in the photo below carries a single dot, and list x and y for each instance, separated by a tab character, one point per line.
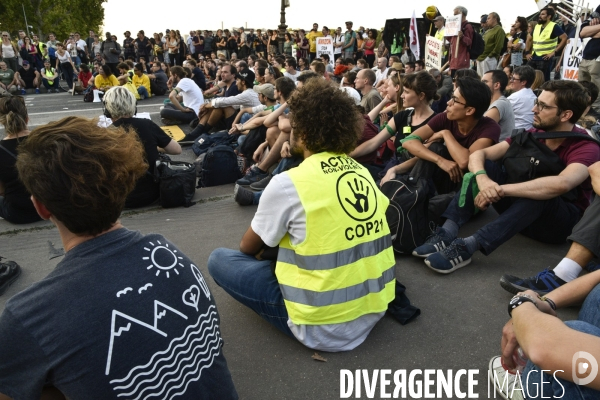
542	106
512	78
454	99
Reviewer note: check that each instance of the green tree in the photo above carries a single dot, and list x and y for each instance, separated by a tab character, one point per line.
58	16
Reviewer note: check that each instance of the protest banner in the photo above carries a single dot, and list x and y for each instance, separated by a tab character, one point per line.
453	25
570	67
434	51
325	46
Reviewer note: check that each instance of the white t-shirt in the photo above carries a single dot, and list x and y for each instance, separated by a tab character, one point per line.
191	93
522	104
279	212
292	77
64	58
338	40
380	75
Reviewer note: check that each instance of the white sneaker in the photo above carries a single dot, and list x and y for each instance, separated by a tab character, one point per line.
507	385
70	90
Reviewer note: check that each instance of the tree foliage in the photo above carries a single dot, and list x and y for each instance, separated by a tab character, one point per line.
58	16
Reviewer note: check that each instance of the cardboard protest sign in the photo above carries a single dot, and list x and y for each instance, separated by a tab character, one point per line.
453	25
434	51
325	46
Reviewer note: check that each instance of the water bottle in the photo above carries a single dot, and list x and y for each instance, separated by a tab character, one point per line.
520	360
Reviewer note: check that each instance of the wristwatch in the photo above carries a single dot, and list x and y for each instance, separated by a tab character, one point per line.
517	301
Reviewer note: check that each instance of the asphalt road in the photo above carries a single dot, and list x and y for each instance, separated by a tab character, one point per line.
462	313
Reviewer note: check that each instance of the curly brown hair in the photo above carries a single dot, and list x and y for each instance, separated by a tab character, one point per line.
80	172
325	118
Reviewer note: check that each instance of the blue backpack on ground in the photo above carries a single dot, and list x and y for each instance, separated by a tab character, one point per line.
206	141
218	166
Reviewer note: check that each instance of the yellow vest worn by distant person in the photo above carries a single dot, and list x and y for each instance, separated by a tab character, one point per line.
439	35
542	44
344	268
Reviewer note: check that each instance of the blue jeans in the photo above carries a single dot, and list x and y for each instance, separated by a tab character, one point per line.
47	84
549	221
589	322
170	112
143	92
252	282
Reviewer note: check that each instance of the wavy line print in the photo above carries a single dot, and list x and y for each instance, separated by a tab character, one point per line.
180	367
143	288
205	334
124	291
211	309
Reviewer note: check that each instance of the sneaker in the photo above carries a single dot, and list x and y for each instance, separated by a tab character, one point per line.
189	138
37	91
23	91
70	91
507	385
542	283
451	258
243	196
253	175
9	272
437	241
262	184
56	91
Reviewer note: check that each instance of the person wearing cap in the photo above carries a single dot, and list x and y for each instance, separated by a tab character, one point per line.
28	78
439	23
493	38
484	24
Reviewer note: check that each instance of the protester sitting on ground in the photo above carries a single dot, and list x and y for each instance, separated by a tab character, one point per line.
290	69
272	74
84	77
535	208
120	103
141	82
381	72
28	78
254	116
8	81
365	78
417	93
105	79
522	97
197	74
158	80
500	110
223	110
185	89
409	68
317	220
15	202
50	77
535	328
79	176
443	82
390	104
318	68
126	73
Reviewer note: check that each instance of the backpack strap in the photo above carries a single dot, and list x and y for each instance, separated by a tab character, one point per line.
566	134
8	151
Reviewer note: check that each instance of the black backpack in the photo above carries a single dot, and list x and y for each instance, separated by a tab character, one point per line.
206	141
407	213
218	167
477	45
527	158
177	182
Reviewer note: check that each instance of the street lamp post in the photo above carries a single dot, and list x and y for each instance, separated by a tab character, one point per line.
282	27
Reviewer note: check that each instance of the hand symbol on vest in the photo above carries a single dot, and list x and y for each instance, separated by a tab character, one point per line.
359	197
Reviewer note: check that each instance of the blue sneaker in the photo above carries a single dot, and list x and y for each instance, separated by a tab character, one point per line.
437	241
451	258
252	176
542	283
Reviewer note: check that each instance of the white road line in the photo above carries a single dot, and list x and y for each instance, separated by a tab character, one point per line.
87	109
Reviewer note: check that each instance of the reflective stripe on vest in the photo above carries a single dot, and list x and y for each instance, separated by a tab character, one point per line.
345	267
542	44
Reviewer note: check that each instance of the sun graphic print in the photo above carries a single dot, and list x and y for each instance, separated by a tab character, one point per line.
163	258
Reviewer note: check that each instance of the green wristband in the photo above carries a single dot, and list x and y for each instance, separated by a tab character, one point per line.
390	130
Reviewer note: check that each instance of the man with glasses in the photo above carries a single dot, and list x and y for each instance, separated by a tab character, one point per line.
522	97
535	208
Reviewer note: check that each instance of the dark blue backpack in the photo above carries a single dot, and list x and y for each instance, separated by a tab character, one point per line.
218	166
206	141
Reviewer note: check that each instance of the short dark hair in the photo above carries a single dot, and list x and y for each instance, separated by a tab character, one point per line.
192	62
350	77
260	63
319	67
466	72
590	87
549	11
285	86
498	76
325	56
243	64
80	172
122	66
422	82
325	102
106	69
349	60
291	62
569	95
476	94
421	63
410	64
370	75
280	60
526	73
395	59
178	71
306	76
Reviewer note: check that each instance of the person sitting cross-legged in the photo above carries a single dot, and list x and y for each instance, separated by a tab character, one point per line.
185	89
331	284
141	82
541	208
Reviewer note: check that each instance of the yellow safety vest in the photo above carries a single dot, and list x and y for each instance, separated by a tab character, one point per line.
542	44
49	74
439	35
345	267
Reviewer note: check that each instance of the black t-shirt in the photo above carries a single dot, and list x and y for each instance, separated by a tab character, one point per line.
123	315
15	194
151	136
592	48
27	75
232	90
142	48
161	80
401	122
199	78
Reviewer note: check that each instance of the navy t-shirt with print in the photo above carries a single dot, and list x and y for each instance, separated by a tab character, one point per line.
123	315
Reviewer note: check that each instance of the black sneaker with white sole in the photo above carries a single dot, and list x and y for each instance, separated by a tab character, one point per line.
9	272
542	283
